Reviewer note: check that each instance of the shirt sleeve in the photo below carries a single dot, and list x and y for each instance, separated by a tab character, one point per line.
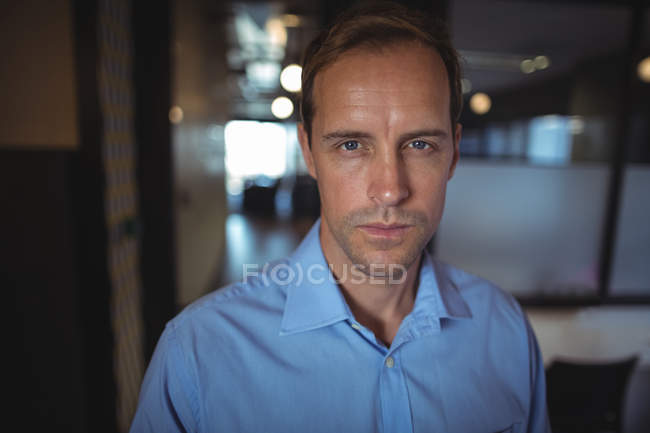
538	416
168	396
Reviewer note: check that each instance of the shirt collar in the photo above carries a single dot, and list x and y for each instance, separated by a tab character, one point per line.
438	296
314	299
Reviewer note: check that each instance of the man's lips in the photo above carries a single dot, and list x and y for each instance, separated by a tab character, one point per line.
385	230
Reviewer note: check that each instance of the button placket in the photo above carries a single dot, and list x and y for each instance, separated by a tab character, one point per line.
369	336
396	408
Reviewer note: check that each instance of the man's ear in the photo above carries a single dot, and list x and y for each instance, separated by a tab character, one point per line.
303	138
456	156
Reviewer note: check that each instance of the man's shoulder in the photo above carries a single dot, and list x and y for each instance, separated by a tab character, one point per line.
255	301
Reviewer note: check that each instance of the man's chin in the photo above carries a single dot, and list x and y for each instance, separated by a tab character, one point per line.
377	261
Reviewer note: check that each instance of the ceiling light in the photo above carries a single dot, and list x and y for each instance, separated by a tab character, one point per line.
480	103
290	78
276	31
282	107
176	114
291	20
541	62
644	70
527	66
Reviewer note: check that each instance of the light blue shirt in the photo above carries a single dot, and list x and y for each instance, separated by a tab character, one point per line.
282	352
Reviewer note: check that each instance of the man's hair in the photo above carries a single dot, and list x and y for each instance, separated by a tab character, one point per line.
375	26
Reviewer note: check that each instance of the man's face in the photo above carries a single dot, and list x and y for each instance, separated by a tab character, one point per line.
382	151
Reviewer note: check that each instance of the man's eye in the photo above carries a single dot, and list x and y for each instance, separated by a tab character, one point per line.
350	145
419	144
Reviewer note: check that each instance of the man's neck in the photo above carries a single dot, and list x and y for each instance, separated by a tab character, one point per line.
380	305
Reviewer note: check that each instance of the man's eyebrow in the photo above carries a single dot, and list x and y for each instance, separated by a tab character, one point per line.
423	133
404	137
345	134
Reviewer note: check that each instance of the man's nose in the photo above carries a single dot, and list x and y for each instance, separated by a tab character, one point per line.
388	180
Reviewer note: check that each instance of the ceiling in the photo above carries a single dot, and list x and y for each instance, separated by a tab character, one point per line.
493	37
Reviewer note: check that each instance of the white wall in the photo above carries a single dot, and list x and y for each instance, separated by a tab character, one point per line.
593	333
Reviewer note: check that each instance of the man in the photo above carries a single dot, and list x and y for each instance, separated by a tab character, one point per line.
360	330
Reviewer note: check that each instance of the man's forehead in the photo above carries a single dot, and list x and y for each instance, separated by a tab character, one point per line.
402	97
408	72
402	84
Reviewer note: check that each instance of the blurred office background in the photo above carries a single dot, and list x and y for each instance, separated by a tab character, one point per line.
147	151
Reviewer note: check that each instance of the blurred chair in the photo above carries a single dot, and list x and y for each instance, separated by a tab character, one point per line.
259	196
587	397
304	197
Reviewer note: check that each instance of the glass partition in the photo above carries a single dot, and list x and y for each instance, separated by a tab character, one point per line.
528	205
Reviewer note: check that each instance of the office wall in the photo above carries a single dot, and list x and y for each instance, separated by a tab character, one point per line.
38	250
38	272
39	100
200	89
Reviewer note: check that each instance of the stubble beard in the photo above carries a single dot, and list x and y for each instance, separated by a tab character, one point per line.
360	251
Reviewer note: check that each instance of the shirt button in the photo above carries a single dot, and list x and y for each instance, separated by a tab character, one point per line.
390	362
355	326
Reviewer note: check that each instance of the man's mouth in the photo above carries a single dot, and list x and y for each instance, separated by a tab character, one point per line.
385	230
